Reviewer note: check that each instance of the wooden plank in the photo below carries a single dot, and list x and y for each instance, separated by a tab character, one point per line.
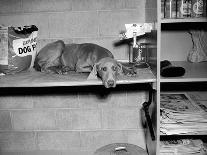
184	20
38	79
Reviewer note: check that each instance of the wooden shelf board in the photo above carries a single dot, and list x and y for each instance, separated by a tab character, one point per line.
184	20
38	79
193	134
195	72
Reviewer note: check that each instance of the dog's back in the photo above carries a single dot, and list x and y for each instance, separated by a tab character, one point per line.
83	53
49	55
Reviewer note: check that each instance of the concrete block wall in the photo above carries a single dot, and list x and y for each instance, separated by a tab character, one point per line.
76	21
76	122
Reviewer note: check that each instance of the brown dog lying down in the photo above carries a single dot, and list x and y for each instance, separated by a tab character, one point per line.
61	58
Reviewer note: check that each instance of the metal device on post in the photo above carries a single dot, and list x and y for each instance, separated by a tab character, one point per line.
134	30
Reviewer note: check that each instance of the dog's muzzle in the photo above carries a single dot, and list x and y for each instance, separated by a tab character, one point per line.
110	83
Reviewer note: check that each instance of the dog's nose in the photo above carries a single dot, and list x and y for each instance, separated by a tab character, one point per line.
110	83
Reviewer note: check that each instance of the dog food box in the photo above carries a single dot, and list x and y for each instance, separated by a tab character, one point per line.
17	48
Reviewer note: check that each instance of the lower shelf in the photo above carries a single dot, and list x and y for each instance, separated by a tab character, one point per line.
183	113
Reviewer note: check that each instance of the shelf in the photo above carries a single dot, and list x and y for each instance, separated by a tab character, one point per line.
201	134
195	72
38	79
184	20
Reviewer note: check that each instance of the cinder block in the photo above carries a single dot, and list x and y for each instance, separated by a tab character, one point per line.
118	99
151	4
84	5
119	52
38	19
58	140
97	139
11	6
121	118
56	101
76	119
97	4
113	4
38	152
107	99
12	20
16	102
111	23
73	24
5	120
17	141
93	99
121	4
46	5
78	152
33	120
10	153
115	99
135	4
136	137
136	98
151	15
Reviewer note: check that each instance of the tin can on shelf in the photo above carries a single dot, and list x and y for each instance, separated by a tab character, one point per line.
197	8
170	9
140	53
184	8
163	9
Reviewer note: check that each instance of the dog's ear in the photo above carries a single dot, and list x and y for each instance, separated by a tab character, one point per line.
93	73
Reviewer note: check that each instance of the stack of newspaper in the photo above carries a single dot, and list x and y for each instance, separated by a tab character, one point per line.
182	147
180	114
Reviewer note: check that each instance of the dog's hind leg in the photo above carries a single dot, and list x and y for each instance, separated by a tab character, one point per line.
49	57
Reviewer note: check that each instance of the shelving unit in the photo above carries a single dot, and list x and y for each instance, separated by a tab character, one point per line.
195	77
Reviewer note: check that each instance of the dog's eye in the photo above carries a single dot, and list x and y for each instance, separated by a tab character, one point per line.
104	69
114	68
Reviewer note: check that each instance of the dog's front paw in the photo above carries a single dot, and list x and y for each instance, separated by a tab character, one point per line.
59	71
66	70
130	72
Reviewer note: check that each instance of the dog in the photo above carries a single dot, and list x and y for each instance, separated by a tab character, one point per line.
61	58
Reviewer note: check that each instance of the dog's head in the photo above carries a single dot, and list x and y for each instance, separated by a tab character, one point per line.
107	69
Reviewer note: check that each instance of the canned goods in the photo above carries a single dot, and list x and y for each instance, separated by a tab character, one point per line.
170	9
139	53
197	8
184	8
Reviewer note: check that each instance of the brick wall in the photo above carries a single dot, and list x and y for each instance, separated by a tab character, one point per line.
72	122
45	120
97	21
